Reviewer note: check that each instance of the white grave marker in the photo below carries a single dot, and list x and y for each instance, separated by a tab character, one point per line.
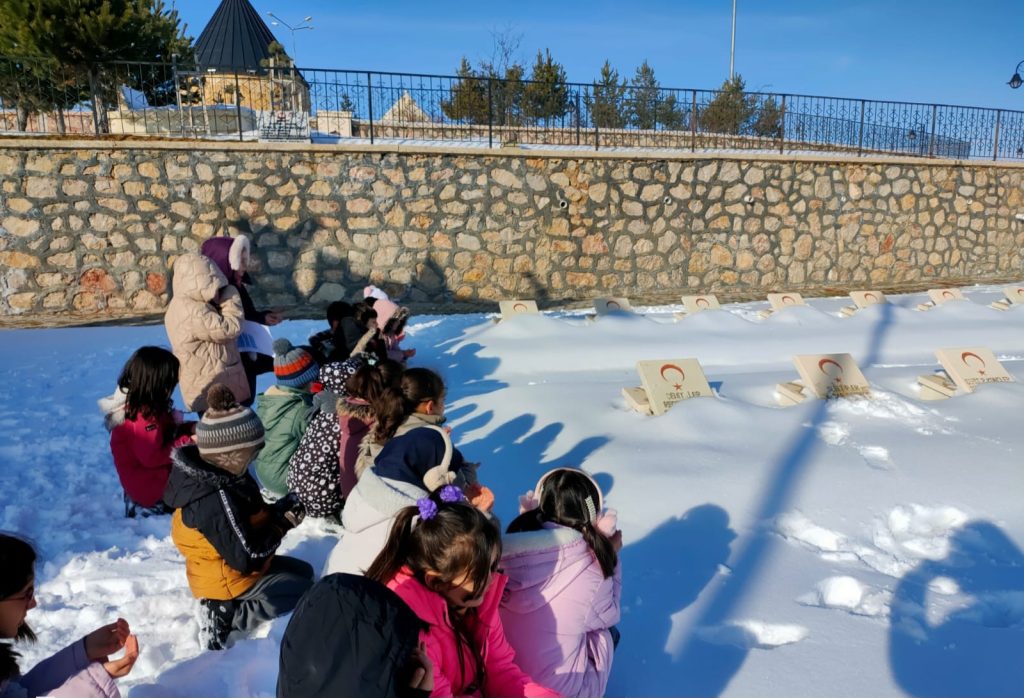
517	307
1014	296
939	296
969	367
698	304
604	306
666	382
863	299
825	376
781	301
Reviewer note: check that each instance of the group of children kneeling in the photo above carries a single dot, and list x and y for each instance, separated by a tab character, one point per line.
421	595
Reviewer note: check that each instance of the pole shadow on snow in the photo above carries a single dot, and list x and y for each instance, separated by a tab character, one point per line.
662	574
943	645
702	668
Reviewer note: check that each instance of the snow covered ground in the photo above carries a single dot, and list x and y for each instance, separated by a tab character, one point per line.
847	548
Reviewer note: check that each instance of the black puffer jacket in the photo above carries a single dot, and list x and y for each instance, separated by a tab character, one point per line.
223	528
349	636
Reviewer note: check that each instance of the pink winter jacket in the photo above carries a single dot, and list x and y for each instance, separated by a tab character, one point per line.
504	678
557	609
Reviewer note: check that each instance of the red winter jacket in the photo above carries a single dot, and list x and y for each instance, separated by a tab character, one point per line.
142	458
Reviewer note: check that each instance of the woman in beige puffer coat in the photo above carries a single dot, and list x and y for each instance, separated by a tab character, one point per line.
203	321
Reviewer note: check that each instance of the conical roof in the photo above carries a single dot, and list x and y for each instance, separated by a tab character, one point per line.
235	38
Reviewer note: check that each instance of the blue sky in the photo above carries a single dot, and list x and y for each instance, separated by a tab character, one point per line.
915	50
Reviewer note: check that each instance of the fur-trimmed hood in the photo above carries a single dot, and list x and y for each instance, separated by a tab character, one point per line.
361	411
229	254
192	478
112	407
376	499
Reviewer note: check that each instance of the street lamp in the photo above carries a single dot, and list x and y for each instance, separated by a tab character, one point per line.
732	45
305	25
1016	80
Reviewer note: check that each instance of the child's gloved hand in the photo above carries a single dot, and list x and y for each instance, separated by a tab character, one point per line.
290	510
528	502
608	522
480	496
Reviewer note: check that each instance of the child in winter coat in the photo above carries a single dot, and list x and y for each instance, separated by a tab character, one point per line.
355	415
80	670
440	558
417	457
203	321
226	532
377	654
313	473
348	324
144	428
564	584
284	411
391	321
233	257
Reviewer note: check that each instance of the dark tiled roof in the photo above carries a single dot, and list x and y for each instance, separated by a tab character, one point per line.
236	37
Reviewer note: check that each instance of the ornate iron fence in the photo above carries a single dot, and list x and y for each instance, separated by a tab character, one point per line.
283	102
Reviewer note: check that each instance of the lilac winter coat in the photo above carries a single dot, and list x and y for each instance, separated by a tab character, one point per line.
557	609
67	674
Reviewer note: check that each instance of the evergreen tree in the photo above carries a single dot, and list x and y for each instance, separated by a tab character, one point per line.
731	110
82	38
467	100
642	99
606	101
769	119
546	96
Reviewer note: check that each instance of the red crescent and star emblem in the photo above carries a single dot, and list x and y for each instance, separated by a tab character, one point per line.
963	357
870	297
668	368
702	302
613	305
788	299
519	307
1020	291
948	294
826	360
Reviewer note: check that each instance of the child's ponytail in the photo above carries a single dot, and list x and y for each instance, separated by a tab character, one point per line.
370	381
395	403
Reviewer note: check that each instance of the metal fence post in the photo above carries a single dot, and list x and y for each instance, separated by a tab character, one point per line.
995	140
490	112
369	102
782	132
579	117
860	135
931	138
238	107
693	120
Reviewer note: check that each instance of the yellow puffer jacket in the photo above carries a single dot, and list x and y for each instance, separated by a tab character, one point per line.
203	321
209	575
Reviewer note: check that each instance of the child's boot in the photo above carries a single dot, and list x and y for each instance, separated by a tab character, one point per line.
217	618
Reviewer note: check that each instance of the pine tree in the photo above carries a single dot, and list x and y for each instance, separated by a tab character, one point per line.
643	98
769	119
546	96
606	101
731	110
467	100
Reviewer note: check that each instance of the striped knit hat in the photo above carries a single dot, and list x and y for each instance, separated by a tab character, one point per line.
293	366
229	435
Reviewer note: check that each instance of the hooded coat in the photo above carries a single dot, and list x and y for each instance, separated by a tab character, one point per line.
348	637
203	321
355	418
393	483
503	675
141	449
223	528
313	473
231	254
284	412
389	316
557	609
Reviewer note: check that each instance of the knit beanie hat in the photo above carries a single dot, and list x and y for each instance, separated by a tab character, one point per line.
229	435
293	366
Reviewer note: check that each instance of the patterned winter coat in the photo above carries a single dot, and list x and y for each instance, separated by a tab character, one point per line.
557	609
313	472
203	321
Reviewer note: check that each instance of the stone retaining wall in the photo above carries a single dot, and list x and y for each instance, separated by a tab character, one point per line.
90	230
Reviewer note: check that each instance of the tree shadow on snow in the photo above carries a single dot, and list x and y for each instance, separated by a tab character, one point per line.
663	573
943	645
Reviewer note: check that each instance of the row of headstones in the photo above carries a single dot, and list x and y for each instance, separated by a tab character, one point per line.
777	302
823	376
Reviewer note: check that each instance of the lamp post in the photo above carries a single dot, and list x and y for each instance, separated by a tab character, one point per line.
732	45
1016	80
305	25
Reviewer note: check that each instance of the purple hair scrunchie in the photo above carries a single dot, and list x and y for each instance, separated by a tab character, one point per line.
452	494
427	507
